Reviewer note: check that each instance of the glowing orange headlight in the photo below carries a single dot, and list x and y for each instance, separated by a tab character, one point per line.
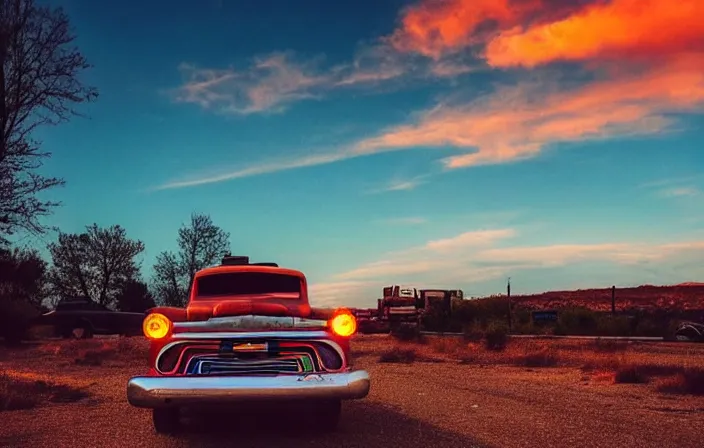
156	326
343	324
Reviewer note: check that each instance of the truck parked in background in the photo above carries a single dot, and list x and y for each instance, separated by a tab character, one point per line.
81	317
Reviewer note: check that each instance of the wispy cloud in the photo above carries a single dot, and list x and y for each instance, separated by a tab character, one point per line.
328	294
679	192
668	182
273	82
640	80
674	187
516	123
475	255
402	184
478	256
255	170
269	84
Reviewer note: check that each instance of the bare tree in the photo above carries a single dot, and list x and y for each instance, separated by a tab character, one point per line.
39	85
168	281
94	264
201	244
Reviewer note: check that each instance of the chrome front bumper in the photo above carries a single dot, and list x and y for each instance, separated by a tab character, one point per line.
159	391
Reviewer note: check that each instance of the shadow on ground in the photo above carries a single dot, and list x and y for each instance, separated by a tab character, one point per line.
363	424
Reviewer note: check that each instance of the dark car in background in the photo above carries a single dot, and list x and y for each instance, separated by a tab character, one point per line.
690	331
81	317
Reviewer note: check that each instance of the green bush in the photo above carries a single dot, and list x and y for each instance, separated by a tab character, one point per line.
16	316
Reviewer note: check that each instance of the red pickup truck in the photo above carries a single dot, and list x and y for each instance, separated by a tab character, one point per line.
247	334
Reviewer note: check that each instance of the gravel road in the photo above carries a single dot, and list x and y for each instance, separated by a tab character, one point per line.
418	405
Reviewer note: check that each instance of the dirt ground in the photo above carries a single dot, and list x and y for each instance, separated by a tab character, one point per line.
437	402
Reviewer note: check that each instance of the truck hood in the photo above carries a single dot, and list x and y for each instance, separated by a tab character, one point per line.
261	305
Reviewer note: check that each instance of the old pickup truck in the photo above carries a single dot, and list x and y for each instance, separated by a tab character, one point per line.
247	334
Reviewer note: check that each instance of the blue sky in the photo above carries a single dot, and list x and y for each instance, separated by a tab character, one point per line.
437	143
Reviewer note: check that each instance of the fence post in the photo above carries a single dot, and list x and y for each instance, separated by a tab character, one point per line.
613	300
508	295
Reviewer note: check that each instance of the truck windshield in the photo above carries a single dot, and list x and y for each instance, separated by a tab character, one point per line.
244	283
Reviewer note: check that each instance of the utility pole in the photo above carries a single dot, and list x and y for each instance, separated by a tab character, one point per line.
508	295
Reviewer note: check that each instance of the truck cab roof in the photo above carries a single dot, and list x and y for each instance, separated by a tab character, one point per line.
237	287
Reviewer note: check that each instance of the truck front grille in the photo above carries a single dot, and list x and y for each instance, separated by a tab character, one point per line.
209	365
220	357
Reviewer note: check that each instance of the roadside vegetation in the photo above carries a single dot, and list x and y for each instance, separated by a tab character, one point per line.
669	367
490	317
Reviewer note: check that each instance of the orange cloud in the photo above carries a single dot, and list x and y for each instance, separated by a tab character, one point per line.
433	27
516	123
620	28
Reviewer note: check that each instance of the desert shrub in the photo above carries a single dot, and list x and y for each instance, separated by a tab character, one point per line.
545	357
473	331
630	374
576	321
650	327
18	394
65	394
688	381
496	336
396	355
14	395
607	325
601	364
482	311
453	347
407	333
16	316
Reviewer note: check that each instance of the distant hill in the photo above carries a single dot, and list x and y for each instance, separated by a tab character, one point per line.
682	297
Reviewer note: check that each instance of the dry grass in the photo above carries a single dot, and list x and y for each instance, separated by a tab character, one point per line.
689	381
98	351
404	356
21	393
545	357
676	368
